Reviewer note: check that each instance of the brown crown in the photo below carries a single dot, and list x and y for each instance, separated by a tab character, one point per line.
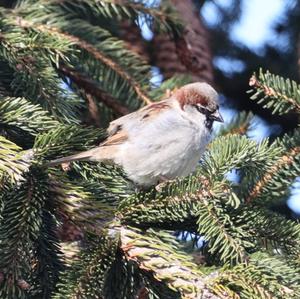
190	96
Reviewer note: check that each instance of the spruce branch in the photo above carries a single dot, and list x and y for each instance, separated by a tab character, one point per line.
33	70
110	178
276	93
272	231
70	251
112	47
174	207
158	255
285	160
16	36
239	125
13	163
230	152
5	78
96	53
48	264
48	67
226	240
196	205
76	204
19	230
109	46
281	172
85	278
124	279
90	86
114	66
108	9
262	277
20	113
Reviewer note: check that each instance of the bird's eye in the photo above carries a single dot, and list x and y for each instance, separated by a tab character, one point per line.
201	109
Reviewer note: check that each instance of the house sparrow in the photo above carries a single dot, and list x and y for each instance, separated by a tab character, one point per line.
162	140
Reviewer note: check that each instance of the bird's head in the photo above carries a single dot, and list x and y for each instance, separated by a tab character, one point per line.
200	98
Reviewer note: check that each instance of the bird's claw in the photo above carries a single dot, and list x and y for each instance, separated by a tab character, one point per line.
163	183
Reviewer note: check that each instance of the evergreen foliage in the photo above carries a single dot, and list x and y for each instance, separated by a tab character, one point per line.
269	88
58	57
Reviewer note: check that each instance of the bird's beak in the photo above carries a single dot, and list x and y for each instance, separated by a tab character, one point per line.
216	116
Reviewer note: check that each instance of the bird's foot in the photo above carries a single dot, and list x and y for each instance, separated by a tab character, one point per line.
163	182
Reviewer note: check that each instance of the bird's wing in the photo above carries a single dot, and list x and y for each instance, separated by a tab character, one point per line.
137	118
116	136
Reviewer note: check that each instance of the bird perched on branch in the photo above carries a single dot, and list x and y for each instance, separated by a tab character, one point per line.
161	141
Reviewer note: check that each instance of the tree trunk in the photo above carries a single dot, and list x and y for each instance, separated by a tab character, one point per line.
188	54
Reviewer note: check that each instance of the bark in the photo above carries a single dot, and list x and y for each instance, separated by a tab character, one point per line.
189	53
130	33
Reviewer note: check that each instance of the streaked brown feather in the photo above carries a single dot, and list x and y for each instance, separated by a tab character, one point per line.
116	138
154	109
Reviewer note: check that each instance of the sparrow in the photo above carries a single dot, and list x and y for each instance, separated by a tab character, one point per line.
162	140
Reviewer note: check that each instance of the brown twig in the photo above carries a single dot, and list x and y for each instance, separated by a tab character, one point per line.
93	110
142	293
287	159
241	130
23	284
270	92
92	88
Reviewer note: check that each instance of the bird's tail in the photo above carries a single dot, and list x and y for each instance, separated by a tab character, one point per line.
83	156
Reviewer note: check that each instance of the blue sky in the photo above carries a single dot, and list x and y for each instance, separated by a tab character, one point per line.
255	26
256	23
